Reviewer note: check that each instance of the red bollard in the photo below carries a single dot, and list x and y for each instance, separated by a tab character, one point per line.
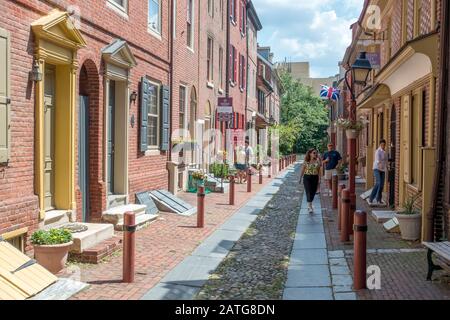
129	246
344	215
249	180
334	189
341	188
360	251
351	213
232	190
260	176
200	206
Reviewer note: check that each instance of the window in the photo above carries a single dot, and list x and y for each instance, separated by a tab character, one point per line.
190	26
233	10
154	15
153	116
242	68
221	12
211	8
242	17
417	136
210	59
233	64
121	5
182	110
221	68
417	17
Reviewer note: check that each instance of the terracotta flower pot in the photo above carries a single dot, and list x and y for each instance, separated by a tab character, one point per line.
410	226
52	257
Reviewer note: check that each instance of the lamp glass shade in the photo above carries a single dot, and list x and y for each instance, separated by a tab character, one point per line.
361	69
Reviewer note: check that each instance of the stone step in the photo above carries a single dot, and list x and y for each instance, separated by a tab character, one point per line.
95	234
117	200
115	215
142	221
57	218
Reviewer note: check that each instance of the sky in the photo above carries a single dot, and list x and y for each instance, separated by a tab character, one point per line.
317	31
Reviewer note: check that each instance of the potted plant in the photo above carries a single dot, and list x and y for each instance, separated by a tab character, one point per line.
51	248
352	128
199	178
410	220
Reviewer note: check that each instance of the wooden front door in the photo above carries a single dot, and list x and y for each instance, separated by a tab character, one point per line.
111	134
49	137
83	154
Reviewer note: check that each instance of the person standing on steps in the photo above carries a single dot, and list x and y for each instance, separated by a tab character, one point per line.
379	171
331	159
311	174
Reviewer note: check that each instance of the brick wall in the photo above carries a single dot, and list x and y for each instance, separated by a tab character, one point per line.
100	25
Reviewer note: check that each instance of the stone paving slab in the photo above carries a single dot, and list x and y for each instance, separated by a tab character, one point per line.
63	289
194	270
236	224
309	257
308	276
218	244
310	241
345	296
308	294
310	220
342	280
310	228
166	291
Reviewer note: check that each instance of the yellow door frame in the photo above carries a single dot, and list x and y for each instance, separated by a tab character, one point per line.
57	42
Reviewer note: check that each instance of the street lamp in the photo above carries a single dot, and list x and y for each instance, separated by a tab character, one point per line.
359	72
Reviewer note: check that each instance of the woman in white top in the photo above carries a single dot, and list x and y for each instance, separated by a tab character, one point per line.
379	170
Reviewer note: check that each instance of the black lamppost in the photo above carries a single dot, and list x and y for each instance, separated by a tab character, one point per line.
359	73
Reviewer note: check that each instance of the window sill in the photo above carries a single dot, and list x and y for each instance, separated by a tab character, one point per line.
233	84
242	89
210	85
220	91
154	34
190	49
152	152
232	21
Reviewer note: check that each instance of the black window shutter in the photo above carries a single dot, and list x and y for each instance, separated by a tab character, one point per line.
144	113
165	117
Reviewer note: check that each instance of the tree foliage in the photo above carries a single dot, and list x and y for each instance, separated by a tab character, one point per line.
304	117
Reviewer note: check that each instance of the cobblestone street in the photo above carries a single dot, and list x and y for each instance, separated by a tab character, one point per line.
256	268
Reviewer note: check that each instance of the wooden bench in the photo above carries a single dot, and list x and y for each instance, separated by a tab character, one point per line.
442	257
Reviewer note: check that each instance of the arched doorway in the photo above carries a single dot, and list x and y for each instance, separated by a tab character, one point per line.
193	121
87	167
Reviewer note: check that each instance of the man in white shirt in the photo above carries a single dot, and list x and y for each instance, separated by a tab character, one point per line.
379	170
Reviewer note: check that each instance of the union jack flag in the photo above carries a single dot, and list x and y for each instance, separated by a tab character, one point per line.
330	93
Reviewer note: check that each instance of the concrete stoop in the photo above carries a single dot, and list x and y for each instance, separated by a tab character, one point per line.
115	216
97	253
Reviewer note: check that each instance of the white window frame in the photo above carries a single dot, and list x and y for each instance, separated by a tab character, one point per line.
174	19
184	129
157	32
158	125
221	54
192	18
210	59
211	8
123	10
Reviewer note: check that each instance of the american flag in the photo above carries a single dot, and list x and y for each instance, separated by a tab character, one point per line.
330	93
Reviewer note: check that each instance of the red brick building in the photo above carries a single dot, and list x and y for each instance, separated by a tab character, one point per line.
236	85
89	69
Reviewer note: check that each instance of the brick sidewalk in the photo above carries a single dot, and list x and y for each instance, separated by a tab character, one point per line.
402	273
160	247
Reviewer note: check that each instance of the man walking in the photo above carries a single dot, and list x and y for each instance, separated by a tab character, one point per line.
331	160
379	171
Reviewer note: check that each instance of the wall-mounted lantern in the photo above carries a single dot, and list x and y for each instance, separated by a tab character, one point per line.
35	73
133	96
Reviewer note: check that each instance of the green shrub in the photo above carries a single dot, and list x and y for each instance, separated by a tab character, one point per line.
51	237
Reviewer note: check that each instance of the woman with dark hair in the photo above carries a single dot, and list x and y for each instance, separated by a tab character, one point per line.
311	174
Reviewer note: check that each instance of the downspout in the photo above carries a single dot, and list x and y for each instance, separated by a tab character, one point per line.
442	116
171	80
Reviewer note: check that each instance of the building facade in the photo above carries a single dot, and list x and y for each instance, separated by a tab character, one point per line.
399	101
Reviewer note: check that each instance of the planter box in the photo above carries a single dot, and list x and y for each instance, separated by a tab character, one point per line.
410	226
54	257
